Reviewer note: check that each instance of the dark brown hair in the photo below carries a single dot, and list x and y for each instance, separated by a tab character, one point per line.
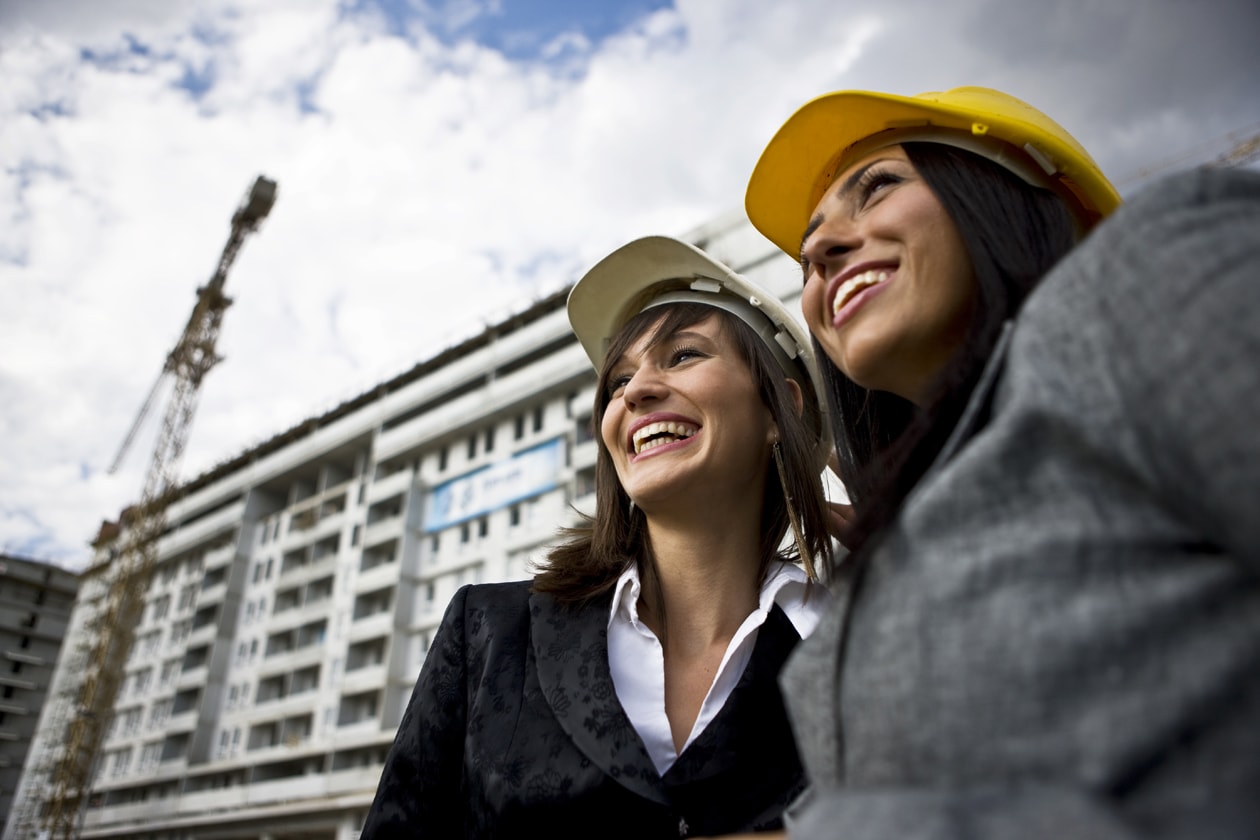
596	552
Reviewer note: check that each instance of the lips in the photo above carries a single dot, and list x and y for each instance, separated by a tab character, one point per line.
660	433
848	286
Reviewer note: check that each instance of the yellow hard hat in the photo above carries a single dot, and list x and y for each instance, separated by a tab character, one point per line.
825	134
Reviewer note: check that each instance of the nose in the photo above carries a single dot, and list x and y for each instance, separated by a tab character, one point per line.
829	244
646	385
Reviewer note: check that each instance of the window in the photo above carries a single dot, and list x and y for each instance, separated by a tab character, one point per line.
465	533
149	755
514	515
472	447
585	482
131	721
490	439
585	429
442	459
179	632
161	607
122	760
519	431
538	418
159	714
483	527
435	542
148	643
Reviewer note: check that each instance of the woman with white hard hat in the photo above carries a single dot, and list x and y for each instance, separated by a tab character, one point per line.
630	689
1050	615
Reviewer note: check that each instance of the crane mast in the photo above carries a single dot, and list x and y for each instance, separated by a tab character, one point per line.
131	569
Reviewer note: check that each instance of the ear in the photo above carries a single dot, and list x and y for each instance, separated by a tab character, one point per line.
798	402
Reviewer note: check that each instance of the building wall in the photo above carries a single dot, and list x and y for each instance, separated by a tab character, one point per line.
298	588
35	604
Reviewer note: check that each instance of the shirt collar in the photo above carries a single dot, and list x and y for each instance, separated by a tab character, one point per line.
786	584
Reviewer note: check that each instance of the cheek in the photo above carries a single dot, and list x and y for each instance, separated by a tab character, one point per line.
811	302
609	428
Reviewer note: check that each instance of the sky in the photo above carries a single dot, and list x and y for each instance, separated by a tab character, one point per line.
442	165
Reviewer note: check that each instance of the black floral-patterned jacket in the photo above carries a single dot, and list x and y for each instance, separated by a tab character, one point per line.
514	730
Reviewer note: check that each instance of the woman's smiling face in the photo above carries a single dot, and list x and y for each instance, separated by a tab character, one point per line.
685	423
889	287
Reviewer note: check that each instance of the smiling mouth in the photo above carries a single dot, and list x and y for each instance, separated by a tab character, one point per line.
659	434
855	284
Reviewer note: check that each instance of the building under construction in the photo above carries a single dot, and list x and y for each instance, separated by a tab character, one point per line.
296	587
36	599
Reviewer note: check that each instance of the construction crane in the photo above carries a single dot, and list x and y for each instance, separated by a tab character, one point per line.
132	567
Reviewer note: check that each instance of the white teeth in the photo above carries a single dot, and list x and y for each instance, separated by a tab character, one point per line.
676	431
854	285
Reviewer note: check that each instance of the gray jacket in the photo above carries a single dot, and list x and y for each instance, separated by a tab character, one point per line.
1060	637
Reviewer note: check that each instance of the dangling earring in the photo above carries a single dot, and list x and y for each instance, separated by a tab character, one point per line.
807	559
630	510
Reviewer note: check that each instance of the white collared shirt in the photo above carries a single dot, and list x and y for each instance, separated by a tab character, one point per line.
637	660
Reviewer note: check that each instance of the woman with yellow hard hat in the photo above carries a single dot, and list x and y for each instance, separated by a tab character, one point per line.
1043	406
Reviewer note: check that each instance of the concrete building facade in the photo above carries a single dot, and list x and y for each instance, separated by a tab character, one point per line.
35	604
299	585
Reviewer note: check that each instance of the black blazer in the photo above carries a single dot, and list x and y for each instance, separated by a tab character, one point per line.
514	730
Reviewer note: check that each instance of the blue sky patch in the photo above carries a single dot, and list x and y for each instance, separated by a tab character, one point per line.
520	29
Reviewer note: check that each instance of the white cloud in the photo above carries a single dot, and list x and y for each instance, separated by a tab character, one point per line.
427	188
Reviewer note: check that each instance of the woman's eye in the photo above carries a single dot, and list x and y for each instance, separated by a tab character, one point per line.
683	354
874	181
617	383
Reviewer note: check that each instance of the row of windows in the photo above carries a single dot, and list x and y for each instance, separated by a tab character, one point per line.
486	438
479	528
160	607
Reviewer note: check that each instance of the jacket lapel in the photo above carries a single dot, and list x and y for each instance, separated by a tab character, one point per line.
571	649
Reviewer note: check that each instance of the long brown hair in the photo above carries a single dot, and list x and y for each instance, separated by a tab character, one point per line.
596	552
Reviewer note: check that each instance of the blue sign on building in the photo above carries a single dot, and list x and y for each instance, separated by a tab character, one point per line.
525	474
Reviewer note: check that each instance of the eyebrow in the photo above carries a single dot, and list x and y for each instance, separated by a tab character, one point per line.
847	187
